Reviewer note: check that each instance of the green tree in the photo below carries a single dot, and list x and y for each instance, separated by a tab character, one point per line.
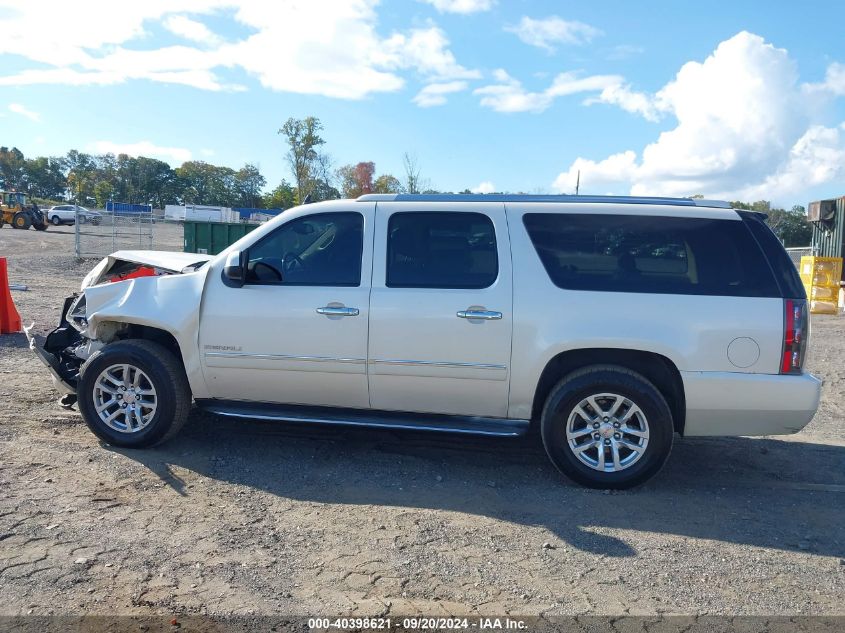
12	168
203	183
103	192
81	176
45	177
791	226
248	183
282	197
303	139
386	183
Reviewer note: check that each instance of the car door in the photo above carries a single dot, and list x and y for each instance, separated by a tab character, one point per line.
441	309
296	332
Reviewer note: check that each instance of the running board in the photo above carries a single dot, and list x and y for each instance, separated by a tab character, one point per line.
470	425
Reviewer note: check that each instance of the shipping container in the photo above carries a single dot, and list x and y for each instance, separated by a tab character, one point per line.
251	213
213	237
126	208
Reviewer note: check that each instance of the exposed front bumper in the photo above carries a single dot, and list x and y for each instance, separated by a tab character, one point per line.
726	403
36	344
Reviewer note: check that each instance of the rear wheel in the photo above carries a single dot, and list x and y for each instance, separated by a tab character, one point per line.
606	426
134	394
21	221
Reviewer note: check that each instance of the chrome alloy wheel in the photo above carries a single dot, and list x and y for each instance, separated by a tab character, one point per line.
607	432
125	398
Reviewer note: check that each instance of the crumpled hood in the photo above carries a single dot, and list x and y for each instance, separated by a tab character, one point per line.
161	261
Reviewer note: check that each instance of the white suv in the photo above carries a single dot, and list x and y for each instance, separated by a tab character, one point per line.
68	214
612	323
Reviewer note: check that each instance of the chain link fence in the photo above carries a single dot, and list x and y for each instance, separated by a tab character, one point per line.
796	253
104	233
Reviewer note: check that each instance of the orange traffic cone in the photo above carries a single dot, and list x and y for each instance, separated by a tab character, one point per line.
10	320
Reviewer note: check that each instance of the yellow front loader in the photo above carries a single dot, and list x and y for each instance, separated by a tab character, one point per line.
15	210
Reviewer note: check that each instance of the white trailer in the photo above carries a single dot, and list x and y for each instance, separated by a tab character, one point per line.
200	213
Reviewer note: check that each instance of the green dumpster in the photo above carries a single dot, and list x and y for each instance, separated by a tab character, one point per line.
213	237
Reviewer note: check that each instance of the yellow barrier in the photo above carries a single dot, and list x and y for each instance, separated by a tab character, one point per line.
821	277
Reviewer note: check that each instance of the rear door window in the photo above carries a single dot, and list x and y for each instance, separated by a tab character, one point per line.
441	250
651	254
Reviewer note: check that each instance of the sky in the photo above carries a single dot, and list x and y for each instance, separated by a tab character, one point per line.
740	100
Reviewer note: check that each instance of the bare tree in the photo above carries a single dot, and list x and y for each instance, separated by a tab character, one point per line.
412	173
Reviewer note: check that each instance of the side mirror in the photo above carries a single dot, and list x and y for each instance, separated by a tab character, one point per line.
234	271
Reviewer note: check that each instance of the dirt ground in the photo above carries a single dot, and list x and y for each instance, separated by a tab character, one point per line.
238	517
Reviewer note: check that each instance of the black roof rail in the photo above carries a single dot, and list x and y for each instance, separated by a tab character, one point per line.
516	197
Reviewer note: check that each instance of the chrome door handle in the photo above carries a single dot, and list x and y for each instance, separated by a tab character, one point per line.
336	311
487	315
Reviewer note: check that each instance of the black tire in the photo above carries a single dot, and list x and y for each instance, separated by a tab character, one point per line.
598	379
21	221
55	220
165	373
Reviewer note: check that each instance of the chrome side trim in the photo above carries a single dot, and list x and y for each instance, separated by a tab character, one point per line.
316	359
494	427
434	363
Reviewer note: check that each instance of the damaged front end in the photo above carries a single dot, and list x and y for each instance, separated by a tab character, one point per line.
58	350
67	347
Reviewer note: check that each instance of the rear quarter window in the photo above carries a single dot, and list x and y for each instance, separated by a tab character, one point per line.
650	254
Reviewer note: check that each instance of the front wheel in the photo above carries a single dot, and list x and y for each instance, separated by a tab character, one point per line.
55	220
605	426
21	221
134	394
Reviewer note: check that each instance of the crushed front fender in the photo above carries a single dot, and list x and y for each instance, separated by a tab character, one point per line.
36	344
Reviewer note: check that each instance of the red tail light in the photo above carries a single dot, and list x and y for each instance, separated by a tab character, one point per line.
795	334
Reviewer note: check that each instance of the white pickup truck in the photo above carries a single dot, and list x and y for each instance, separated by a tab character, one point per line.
612	323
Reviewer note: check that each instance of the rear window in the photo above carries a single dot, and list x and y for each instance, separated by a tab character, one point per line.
782	266
668	255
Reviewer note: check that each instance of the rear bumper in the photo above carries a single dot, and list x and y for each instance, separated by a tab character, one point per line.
726	403
36	344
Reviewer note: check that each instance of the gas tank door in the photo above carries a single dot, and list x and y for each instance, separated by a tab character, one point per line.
743	352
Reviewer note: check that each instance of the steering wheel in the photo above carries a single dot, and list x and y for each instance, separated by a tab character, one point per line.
292	261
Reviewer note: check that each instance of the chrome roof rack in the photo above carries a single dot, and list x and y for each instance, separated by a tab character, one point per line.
518	197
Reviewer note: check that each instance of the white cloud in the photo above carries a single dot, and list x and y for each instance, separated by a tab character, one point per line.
330	48
143	148
545	33
17	108
484	187
427	51
745	129
435	94
509	95
834	81
189	29
598	176
624	51
461	6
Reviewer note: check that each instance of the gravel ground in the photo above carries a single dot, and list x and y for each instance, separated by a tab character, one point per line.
238	517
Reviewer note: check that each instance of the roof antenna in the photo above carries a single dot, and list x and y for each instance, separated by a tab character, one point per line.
307	199
578	183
